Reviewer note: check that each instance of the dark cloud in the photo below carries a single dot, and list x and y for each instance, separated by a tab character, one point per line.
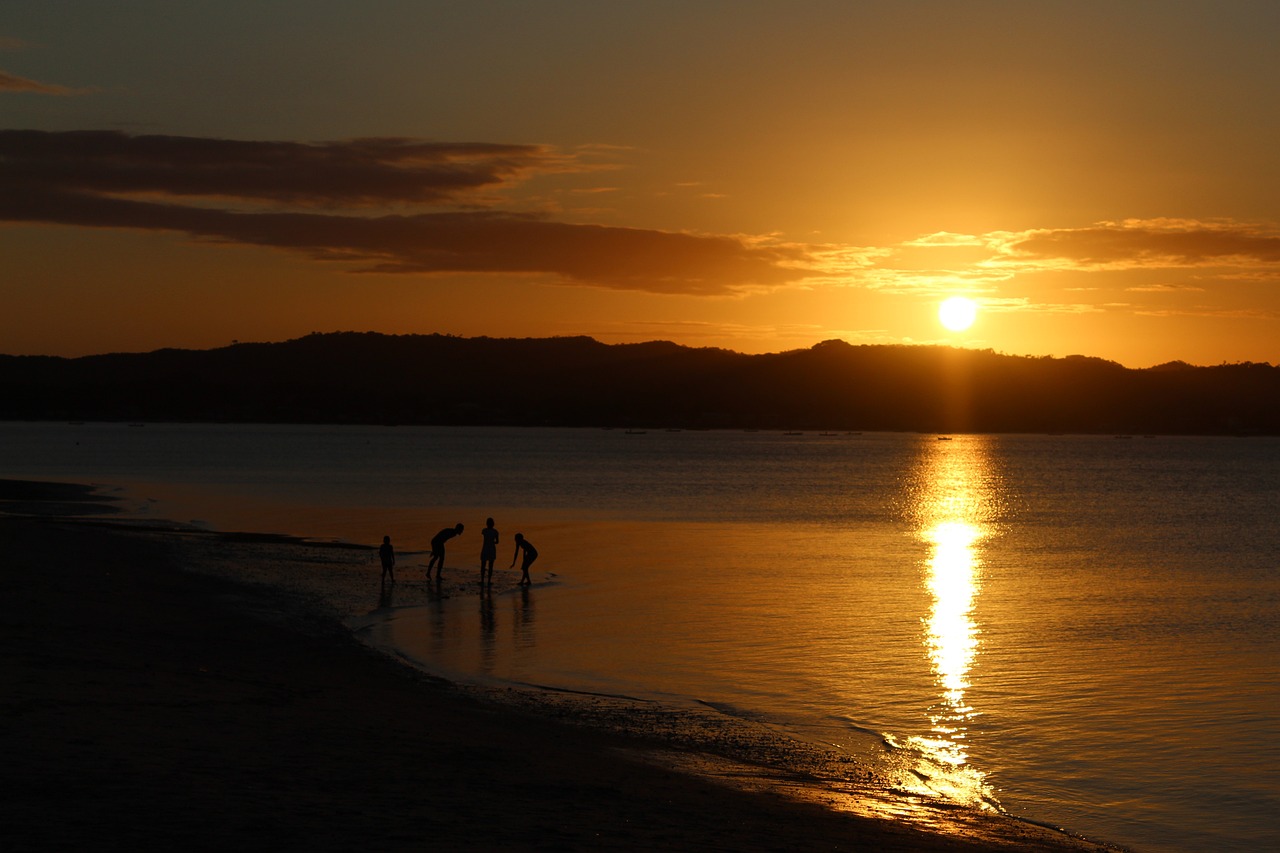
353	172
12	83
1189	244
108	179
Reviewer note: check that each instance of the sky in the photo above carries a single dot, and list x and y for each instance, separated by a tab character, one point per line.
1100	178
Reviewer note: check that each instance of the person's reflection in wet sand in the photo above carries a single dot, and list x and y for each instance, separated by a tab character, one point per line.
385	591
436	608
488	632
524	619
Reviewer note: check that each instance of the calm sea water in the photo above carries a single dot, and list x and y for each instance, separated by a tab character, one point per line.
1084	630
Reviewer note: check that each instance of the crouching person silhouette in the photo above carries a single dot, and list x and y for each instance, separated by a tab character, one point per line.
437	548
530	554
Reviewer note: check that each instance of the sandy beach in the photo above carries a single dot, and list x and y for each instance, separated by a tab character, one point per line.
148	705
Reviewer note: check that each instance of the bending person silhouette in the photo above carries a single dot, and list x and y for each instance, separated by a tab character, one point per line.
530	554
388	556
437	548
488	550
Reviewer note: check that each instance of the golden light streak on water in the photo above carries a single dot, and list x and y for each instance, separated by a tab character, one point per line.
955	504
951	636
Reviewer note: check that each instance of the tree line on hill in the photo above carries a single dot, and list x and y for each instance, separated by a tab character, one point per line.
369	378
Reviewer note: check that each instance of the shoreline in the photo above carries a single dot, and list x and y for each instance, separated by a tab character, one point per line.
155	701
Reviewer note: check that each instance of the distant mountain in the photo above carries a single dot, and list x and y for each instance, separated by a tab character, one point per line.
577	381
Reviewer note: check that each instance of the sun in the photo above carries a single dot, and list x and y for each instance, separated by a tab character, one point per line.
958	313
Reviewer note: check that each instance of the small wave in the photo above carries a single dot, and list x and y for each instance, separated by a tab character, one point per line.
921	770
733	711
850	724
571	692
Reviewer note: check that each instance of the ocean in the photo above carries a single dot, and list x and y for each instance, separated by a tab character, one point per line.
1081	631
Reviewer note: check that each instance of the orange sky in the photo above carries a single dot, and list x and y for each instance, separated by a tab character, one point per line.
1101	178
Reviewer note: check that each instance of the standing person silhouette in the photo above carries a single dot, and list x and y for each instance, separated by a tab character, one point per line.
488	550
437	548
388	556
530	554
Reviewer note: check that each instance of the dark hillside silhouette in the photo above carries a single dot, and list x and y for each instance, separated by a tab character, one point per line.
577	381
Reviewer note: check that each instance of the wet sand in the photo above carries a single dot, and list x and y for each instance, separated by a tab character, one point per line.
149	705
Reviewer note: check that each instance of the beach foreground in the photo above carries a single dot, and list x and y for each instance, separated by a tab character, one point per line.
147	705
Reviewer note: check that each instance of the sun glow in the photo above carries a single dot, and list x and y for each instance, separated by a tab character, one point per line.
958	313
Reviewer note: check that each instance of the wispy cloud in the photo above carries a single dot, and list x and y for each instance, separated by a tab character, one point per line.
1165	288
1107	246
1148	244
412	206
360	172
13	83
1209	311
993	265
362	201
23	85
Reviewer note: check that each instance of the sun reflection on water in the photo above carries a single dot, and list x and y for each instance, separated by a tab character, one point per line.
951	634
955	504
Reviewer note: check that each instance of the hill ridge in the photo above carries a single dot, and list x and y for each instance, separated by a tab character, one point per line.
375	378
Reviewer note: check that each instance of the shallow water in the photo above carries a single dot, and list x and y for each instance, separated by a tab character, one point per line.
1082	630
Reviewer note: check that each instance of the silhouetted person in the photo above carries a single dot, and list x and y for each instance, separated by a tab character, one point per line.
488	550
388	556
530	554
437	548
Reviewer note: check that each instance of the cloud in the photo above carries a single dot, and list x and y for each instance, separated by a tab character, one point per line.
1165	288
946	239
360	172
420	207
13	83
997	266
1251	250
282	195
1216	313
1150	244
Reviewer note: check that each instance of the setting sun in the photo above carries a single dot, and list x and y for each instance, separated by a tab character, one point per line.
958	313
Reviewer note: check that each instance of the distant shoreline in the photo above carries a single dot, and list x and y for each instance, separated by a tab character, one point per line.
811	432
375	379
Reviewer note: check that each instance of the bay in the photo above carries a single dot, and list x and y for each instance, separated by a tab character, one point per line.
1080	630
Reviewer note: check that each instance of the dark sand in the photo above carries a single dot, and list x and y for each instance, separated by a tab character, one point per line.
148	706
